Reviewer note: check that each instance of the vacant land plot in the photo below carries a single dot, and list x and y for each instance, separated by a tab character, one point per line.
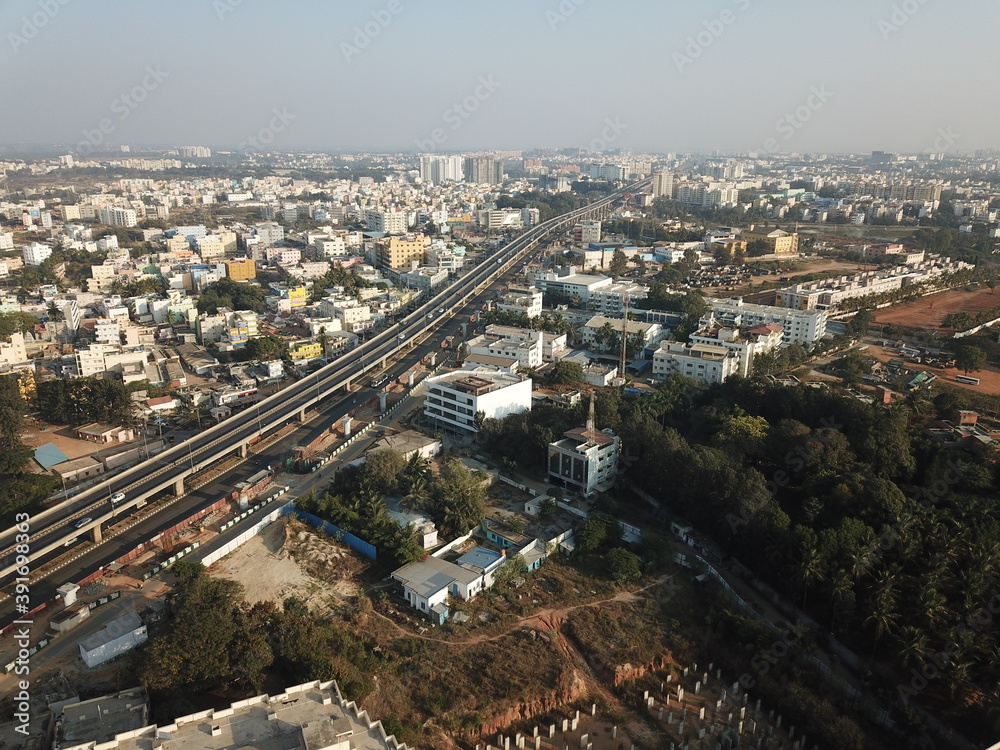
289	559
929	312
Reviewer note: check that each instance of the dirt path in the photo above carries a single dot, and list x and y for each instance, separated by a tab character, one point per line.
547	619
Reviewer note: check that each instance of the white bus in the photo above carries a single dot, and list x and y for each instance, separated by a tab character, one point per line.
966	379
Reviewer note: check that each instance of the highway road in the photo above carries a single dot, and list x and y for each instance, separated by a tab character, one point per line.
88	513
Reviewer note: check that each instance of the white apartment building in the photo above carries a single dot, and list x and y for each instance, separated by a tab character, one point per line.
438	169
554	345
527	352
211	328
107	331
353	316
746	343
453	400
648	333
211	246
494	219
107	242
829	293
663	185
330	247
448	258
283	256
114	216
610	299
6	240
35	253
425	279
521	300
4	270
587	232
706	363
13	351
579	284
803	327
90	362
387	222
269	233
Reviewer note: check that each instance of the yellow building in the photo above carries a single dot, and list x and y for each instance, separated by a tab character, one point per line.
305	350
298	296
399	253
779	242
241	269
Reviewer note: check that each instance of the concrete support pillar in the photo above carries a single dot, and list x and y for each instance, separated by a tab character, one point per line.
95	534
409	378
243	450
179	487
465	330
382	396
347	426
302	414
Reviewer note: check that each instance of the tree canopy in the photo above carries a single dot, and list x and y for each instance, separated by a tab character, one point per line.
235	295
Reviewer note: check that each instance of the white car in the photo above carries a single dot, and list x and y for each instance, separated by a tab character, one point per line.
83	522
117	497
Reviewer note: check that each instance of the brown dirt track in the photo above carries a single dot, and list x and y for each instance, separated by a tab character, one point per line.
928	312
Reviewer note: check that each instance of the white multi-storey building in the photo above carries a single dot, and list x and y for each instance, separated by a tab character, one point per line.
587	232
803	327
454	399
706	363
115	216
521	299
13	351
526	352
579	284
269	233
610	299
746	343
554	345
388	222
35	254
584	459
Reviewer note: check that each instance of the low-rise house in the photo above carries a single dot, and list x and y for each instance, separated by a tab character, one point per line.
120	636
427	584
102	433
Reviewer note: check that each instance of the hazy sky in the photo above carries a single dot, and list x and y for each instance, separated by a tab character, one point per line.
663	75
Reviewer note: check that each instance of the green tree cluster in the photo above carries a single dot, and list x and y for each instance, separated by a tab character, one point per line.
82	400
20	491
356	500
235	295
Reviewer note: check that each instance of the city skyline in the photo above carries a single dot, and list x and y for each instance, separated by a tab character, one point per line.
734	76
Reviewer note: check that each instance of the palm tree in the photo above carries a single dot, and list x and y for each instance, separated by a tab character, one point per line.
324	341
418	496
913	646
932	606
54	311
883	619
842	597
810	570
